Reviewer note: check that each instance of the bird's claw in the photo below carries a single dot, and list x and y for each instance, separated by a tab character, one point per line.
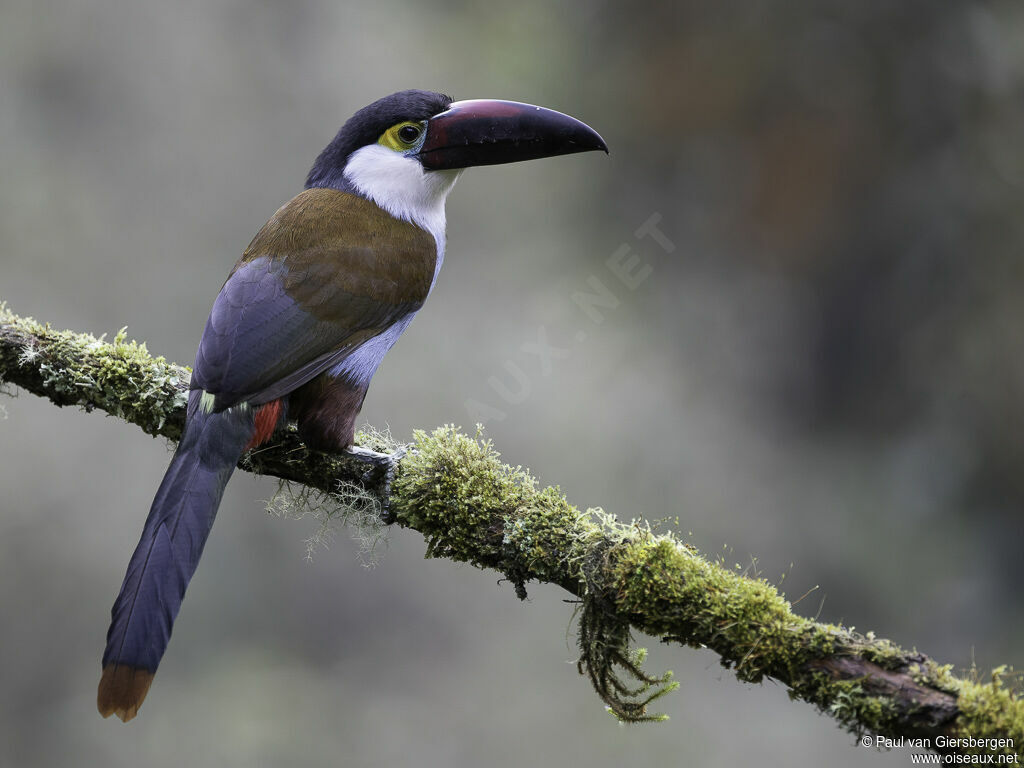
381	462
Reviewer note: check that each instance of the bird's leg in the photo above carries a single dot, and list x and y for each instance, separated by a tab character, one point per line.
381	462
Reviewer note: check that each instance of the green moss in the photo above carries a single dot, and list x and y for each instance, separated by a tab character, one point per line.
990	711
548	537
471	507
821	640
456	492
884	653
866	713
474	508
935	675
668	590
120	377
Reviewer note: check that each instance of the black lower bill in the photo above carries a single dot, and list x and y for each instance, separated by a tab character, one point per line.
492	132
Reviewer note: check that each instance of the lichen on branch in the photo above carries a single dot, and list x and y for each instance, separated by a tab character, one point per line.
119	377
471	507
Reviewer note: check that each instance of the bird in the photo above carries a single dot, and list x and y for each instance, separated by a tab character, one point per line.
302	322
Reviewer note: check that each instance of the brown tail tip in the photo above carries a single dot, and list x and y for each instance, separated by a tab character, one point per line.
122	691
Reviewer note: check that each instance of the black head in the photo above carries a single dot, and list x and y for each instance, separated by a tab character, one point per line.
367	125
437	134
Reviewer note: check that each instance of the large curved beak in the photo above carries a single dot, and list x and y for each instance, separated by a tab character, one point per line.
490	132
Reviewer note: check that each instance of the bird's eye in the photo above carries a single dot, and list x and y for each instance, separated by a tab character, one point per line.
409	133
403	137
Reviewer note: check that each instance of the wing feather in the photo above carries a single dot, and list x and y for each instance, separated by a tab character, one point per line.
327	273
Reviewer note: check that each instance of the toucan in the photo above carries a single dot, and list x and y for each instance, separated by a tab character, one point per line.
298	329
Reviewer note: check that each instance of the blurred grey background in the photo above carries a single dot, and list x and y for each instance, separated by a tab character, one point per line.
825	373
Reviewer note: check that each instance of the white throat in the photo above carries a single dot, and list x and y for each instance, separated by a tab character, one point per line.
402	187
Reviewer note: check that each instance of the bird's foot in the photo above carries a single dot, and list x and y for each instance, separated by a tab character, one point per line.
386	463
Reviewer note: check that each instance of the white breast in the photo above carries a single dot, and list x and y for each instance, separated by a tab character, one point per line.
401	186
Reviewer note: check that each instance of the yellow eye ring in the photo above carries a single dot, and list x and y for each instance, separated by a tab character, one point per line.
402	137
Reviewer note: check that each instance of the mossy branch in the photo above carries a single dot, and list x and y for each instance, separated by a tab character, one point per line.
473	508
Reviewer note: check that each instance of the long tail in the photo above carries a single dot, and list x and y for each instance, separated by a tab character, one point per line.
167	554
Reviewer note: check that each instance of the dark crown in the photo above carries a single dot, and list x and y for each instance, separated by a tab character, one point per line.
366	126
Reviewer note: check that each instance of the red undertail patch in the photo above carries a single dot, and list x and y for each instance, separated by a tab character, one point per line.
266	418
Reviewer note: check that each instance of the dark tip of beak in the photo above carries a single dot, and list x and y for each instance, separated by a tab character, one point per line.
491	132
